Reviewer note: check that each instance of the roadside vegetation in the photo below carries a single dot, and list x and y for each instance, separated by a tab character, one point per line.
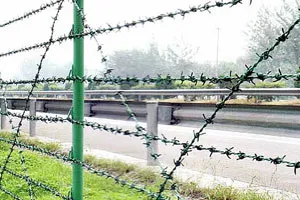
58	176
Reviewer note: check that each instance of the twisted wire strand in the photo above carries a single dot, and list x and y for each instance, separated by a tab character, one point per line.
31	13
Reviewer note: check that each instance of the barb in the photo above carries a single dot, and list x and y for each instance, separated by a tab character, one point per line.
209	120
33	12
126	25
88	167
192	78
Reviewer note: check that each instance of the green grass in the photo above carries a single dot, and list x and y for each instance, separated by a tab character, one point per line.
219	193
58	175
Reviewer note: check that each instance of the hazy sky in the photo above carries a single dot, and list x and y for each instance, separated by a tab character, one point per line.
196	30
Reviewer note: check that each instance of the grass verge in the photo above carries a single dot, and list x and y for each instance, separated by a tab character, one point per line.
58	176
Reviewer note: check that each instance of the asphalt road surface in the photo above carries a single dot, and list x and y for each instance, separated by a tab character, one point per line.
269	142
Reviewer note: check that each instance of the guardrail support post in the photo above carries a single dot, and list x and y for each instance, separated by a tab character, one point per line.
32	123
3	110
165	114
87	109
152	126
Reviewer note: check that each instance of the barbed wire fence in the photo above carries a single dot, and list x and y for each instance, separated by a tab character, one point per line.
186	147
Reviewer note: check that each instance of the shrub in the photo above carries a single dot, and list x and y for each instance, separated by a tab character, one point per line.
266	84
191	85
144	87
106	87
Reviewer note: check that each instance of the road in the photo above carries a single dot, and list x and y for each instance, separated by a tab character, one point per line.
270	142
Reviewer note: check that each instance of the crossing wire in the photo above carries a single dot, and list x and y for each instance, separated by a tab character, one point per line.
36	183
88	167
4	100
210	120
148	142
18	128
248	76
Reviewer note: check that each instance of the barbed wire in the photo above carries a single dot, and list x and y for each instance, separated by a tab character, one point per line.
210	120
192	78
148	142
22	159
142	133
126	25
249	76
10	193
33	12
17	130
37	183
88	167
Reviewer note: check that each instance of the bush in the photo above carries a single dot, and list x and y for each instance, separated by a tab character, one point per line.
165	85
128	85
191	85
266	84
144	87
106	87
55	87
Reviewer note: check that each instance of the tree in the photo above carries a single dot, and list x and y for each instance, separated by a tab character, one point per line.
181	57
263	32
29	68
137	62
176	58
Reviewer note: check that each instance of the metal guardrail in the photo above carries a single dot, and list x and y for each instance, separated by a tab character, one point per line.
169	112
173	112
175	92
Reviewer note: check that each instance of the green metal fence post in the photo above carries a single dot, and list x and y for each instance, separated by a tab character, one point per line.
78	104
